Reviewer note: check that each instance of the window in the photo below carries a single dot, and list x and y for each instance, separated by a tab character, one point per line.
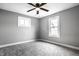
54	26
24	22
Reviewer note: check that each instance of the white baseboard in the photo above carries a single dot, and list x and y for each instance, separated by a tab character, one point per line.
69	46
11	44
65	45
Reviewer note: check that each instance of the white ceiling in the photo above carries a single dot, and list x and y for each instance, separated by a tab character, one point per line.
23	7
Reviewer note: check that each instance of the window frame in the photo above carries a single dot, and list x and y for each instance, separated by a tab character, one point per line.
24	19
58	27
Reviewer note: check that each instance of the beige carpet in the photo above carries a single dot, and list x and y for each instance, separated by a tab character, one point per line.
37	48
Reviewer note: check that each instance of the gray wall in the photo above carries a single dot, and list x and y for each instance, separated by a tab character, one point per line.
9	31
69	21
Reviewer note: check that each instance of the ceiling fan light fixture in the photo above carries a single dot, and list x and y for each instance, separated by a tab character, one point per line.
37	9
38	6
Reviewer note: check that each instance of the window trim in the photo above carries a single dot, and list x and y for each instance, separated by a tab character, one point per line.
24	19
49	21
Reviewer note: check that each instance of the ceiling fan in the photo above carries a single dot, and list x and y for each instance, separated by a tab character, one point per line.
37	6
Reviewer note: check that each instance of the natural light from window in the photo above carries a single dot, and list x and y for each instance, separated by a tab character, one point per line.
24	22
54	27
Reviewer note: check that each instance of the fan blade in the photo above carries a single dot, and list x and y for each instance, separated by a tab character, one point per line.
44	9
31	9
31	4
37	12
42	4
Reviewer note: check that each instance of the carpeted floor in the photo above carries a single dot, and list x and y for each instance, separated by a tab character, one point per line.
37	48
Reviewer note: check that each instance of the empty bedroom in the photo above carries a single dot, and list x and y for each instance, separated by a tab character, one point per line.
39	29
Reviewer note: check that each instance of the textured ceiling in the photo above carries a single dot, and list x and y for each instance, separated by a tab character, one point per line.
23	7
